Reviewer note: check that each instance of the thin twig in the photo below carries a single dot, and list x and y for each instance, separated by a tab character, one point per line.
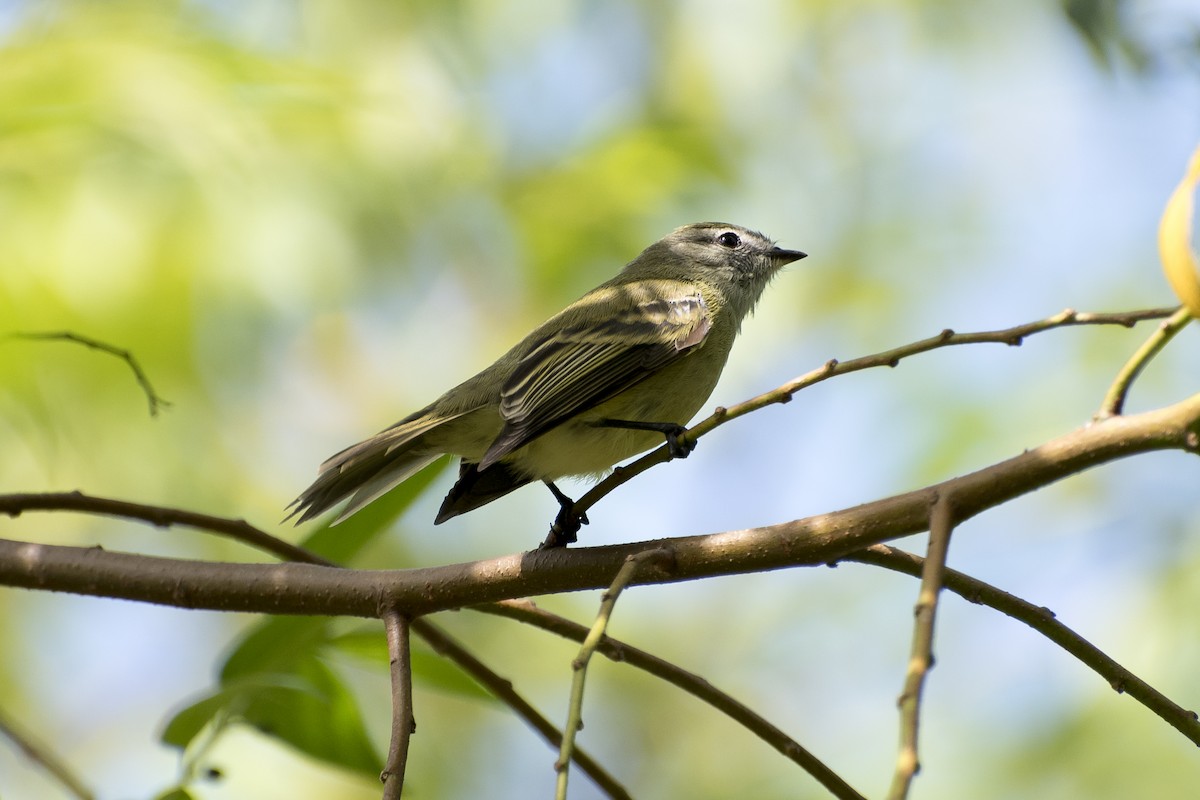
503	690
396	625
156	402
38	753
1043	621
941	524
1114	400
1012	337
608	601
16	504
527	612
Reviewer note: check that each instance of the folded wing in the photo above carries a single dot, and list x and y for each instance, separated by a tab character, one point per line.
595	359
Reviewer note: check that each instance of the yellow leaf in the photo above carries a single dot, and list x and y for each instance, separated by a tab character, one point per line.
1175	239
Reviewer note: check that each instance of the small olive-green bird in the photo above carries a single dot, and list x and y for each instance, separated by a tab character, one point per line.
608	377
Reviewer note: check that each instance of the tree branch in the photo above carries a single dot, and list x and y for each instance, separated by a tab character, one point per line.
523	611
308	589
156	402
503	690
242	531
659	557
921	655
1043	621
38	753
16	504
1114	400
403	725
527	612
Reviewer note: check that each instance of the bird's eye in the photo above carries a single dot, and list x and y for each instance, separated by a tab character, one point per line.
729	239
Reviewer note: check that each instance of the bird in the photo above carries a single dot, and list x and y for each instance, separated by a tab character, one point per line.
610	376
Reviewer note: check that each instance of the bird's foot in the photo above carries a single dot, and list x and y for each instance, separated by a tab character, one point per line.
566	524
676	447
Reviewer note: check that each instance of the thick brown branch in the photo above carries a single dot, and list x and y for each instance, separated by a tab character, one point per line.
308	589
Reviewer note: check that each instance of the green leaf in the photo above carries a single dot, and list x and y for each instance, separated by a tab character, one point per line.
365	645
311	710
321	720
182	729
275	645
231	701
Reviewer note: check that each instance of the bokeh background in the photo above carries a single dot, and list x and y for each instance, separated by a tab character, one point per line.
307	218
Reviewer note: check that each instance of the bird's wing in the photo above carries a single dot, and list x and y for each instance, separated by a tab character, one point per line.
596	358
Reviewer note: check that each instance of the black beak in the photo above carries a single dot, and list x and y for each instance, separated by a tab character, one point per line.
781	256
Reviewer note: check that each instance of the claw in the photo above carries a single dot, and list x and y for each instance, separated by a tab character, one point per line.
566	524
677	448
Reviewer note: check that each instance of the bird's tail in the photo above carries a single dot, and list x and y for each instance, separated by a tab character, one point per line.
370	468
477	487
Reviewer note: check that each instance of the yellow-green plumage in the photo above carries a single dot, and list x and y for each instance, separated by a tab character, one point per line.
646	346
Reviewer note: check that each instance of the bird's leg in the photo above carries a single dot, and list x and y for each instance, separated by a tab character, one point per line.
670	430
566	524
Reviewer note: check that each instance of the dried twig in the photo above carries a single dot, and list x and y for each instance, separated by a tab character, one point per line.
152	397
16	504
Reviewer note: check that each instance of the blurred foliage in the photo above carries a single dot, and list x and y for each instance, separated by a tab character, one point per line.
1140	36
1104	25
303	216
